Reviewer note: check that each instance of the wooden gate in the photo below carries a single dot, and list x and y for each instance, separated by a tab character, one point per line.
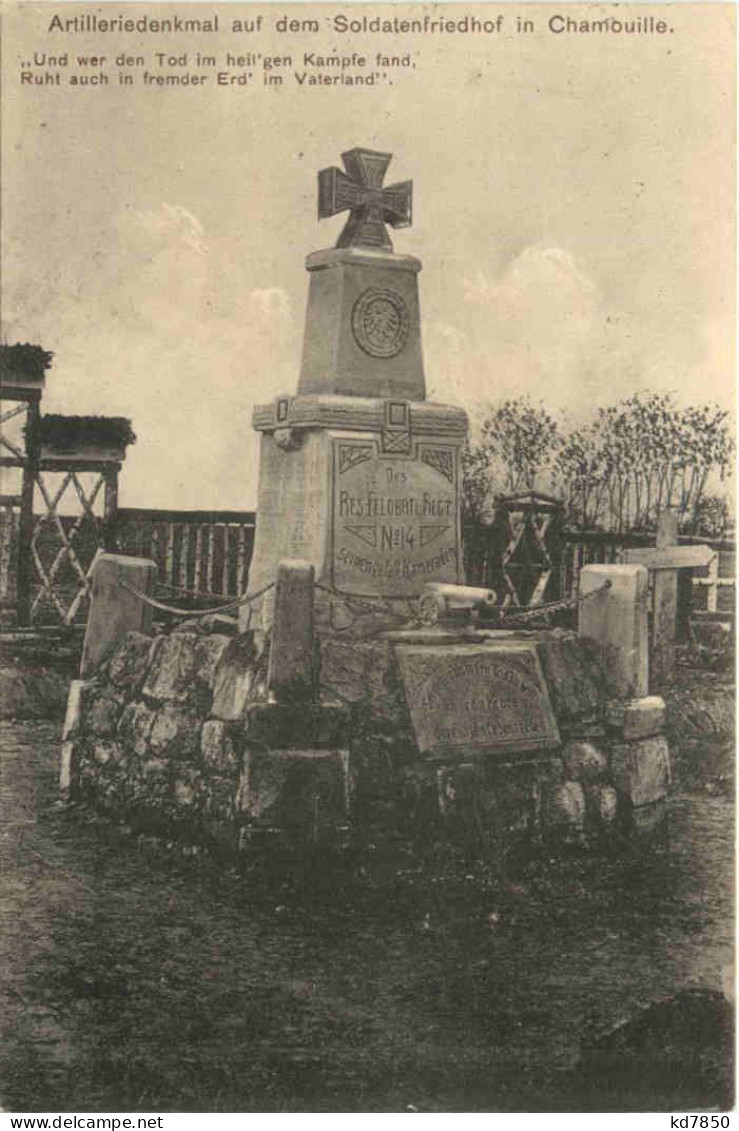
526	539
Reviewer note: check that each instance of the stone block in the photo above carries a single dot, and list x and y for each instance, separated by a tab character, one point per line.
485	802
637	718
134	728
103	713
114	609
302	793
584	762
343	352
234	679
155	770
325	495
292	655
175	734
575	676
210	623
601	804
218	748
183	670
220	797
304	726
129	661
171	675
186	788
106	753
564	806
365	672
209	652
616	621
641	770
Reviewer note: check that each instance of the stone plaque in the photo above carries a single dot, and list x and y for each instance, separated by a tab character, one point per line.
395	518
477	699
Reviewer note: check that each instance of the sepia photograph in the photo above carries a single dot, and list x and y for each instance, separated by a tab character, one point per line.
367	558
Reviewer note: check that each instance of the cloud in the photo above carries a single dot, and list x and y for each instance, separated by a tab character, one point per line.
175	335
531	329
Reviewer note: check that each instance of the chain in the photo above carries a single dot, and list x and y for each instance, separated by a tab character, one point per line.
530	612
373	604
246	599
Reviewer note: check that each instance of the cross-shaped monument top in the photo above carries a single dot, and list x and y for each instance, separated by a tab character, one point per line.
370	205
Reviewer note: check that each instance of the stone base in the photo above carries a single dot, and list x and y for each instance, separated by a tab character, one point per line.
181	736
371	488
302	794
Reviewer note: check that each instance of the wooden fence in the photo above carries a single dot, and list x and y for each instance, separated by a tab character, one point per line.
713	589
206	554
199	554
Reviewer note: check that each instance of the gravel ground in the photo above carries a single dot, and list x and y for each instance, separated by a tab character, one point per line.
138	979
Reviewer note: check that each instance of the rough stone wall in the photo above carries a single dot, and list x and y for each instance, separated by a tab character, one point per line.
180	732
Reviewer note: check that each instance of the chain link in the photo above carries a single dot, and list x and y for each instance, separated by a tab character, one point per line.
369	605
246	599
530	612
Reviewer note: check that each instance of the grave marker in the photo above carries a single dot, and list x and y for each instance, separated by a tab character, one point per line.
664	561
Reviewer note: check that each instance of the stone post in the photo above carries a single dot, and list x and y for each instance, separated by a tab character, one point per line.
114	609
616	620
292	651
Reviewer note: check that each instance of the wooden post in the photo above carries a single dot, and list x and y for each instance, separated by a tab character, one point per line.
712	595
25	521
664	618
110	508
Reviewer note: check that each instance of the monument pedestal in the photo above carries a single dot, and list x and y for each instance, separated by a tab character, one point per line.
365	489
362	327
359	475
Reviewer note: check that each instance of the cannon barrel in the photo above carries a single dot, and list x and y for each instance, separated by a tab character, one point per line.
439	601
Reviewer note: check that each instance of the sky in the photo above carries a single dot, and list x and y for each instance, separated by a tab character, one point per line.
573	208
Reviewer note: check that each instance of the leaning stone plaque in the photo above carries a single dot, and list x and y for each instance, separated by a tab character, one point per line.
477	699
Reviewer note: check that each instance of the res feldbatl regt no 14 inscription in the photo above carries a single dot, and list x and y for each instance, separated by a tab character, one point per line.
394	519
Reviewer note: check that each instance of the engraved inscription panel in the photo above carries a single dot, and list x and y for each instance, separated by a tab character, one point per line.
477	699
394	521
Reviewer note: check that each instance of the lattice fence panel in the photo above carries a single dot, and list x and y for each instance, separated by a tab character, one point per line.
68	531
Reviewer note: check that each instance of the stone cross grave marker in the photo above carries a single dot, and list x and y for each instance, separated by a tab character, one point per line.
664	561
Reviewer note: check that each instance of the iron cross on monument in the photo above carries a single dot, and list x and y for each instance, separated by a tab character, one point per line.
370	205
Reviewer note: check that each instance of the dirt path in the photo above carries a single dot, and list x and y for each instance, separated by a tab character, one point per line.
136	979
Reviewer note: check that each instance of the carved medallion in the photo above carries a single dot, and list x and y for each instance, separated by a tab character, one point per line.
380	322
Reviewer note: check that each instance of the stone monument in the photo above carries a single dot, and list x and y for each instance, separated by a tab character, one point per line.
359	473
302	726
